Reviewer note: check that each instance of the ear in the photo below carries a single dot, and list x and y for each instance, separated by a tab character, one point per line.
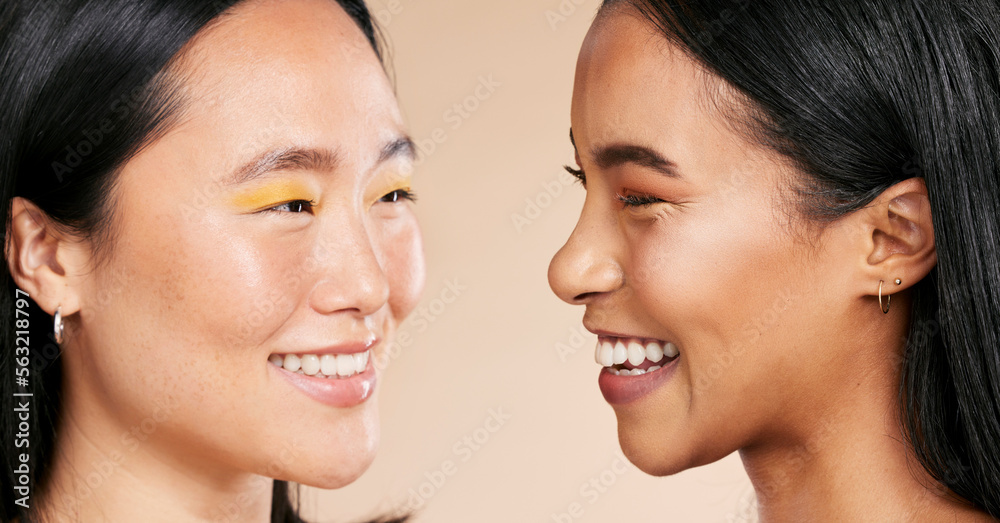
899	237
38	255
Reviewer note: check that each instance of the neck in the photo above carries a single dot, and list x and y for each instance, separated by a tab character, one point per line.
851	463
111	473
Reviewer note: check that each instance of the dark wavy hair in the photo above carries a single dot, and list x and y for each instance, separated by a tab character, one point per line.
64	65
861	95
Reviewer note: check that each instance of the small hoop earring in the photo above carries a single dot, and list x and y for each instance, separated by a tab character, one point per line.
57	327
888	298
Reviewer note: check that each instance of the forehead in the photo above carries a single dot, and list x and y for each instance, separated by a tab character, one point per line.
292	33
268	63
631	82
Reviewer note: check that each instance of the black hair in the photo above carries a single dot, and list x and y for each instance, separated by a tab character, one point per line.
84	86
861	95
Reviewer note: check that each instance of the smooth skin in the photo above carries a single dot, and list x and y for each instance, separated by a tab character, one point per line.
784	353
172	411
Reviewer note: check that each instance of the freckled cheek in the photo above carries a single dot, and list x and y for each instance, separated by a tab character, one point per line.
236	288
403	263
269	281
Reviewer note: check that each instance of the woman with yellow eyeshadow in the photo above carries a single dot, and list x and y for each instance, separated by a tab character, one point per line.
209	242
256	199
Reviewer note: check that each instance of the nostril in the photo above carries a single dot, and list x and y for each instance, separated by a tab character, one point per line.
584	297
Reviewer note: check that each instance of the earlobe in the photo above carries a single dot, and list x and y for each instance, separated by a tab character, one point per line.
32	250
902	235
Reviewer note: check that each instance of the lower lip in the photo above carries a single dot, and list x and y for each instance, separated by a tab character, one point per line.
619	390
335	392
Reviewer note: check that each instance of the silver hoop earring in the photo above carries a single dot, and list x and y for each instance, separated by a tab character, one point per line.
57	327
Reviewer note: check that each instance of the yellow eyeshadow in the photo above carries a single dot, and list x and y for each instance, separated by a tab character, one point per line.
271	194
401	184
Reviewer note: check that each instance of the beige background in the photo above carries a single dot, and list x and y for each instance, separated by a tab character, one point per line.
505	344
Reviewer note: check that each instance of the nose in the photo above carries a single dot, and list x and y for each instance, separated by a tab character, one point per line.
587	266
354	278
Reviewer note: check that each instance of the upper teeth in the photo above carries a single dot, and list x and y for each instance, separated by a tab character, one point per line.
323	366
634	351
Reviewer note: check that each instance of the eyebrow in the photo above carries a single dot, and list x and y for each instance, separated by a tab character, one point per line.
312	159
618	154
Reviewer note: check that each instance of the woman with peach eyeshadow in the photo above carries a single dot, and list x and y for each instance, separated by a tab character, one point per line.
209	240
789	247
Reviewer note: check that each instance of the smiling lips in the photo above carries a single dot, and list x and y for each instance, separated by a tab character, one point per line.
330	366
634	367
633	356
342	379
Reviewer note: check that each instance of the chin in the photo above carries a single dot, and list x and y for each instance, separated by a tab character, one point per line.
335	457
650	450
647	458
337	468
343	476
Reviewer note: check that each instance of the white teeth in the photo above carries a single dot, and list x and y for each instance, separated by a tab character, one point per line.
310	364
636	354
607	355
654	352
328	364
620	354
323	366
345	364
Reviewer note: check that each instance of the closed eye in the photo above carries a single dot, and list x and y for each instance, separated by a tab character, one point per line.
638	200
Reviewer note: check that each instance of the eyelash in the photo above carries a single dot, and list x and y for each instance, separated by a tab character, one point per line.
638	200
302	206
578	174
629	200
399	194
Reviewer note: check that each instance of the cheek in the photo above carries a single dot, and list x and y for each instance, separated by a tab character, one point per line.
402	257
174	314
206	291
712	278
717	282
258	277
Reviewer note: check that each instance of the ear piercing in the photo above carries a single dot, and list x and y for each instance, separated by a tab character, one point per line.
58	325
888	297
